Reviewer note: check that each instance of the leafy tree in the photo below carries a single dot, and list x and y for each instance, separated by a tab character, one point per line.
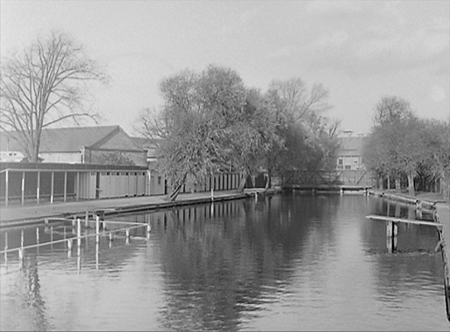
436	139
44	85
395	145
194	124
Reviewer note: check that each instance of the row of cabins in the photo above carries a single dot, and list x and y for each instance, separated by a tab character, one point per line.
82	163
100	162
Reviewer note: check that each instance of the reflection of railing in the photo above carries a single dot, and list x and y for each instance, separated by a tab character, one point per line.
79	236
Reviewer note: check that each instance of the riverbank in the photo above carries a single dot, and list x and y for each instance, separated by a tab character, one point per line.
30	214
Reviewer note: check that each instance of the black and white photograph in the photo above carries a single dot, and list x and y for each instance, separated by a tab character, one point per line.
225	165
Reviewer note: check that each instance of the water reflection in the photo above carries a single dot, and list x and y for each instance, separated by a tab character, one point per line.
288	262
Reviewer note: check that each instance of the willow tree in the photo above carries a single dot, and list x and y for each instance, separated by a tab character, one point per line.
44	85
193	126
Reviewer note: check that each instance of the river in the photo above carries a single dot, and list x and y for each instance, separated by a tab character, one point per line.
289	262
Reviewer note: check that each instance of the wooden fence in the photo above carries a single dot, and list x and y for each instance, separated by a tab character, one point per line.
335	178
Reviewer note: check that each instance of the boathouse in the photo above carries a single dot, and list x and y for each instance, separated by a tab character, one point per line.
51	182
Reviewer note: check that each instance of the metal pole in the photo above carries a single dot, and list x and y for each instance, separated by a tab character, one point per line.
65	186
97	229
23	189
38	191
78	231
52	183
6	187
78	186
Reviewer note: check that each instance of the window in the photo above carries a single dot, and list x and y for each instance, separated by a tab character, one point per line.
348	166
159	180
340	161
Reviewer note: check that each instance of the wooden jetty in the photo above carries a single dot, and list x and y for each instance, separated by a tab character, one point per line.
391	241
407	221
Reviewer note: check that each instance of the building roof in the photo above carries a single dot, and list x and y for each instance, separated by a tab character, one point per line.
72	139
351	146
151	145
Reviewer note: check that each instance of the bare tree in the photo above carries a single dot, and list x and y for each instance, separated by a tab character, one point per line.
44	85
392	109
297	102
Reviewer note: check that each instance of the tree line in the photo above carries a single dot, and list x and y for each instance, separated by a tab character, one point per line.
211	123
401	145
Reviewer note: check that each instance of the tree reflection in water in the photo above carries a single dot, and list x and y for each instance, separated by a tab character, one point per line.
225	263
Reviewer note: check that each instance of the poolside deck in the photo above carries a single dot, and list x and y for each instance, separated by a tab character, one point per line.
19	214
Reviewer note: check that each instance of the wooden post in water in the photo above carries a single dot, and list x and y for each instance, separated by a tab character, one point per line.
111	236
21	250
101	216
79	259
21	257
6	249
149	229
97	247
391	236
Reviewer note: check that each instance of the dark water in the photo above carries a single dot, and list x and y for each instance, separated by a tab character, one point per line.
291	262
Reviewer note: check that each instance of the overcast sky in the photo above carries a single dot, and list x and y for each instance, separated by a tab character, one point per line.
359	50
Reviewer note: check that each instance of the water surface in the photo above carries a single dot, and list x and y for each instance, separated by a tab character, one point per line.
291	262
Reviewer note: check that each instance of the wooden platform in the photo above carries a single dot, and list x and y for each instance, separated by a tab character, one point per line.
408	221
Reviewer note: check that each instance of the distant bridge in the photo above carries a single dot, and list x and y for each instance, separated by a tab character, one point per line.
336	180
